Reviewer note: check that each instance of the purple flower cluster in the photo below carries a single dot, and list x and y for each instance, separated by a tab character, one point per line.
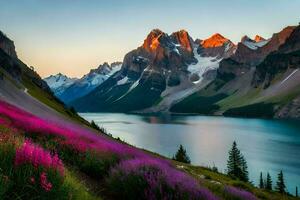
162	179
37	156
239	193
74	135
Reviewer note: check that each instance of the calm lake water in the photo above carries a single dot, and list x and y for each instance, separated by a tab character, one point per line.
268	145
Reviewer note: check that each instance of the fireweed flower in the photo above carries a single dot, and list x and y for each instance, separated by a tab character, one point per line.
32	180
76	136
37	156
47	186
159	174
239	193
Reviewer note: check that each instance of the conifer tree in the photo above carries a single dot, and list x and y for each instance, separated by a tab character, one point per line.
280	185
236	164
245	174
181	155
296	191
261	181
268	182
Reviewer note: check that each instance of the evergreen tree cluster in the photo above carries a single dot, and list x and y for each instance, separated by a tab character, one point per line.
265	183
237	165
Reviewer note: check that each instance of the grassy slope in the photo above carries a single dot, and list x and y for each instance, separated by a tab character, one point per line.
49	100
41	95
214	181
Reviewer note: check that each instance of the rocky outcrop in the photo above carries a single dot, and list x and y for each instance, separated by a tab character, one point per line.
287	57
7	45
292	43
230	69
290	110
252	53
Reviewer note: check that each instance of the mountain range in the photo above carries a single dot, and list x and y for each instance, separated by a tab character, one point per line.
175	73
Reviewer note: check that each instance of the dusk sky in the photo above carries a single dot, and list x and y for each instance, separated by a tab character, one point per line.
73	36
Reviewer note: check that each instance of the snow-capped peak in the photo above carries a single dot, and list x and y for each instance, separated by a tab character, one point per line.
59	80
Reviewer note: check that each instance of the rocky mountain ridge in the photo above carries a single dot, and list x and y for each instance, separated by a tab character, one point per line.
67	89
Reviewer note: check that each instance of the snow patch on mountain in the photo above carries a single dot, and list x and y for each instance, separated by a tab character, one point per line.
123	81
59	82
95	78
255	45
68	89
203	65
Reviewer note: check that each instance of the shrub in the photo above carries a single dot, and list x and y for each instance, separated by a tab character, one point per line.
97	164
238	194
148	178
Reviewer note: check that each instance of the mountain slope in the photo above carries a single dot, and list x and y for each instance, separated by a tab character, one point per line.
23	87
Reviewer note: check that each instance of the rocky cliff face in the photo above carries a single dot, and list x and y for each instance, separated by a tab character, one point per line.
287	57
250	53
7	45
21	73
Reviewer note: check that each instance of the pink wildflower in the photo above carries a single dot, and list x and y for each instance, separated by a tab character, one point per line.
47	186
32	180
37	156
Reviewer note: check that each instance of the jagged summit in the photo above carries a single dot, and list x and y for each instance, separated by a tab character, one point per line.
151	42
256	39
216	40
245	38
259	38
183	38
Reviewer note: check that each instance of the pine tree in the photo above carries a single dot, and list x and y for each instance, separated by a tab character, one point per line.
296	191
181	155
261	181
236	164
244	167
268	182
280	185
95	126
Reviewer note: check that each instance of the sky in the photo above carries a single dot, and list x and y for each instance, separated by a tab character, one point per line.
74	36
